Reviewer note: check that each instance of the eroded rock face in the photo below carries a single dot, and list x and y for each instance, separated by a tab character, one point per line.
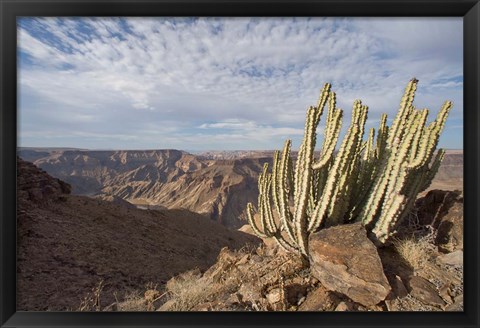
444	211
219	189
344	260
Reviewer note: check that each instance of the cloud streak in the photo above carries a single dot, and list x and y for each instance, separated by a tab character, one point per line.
222	83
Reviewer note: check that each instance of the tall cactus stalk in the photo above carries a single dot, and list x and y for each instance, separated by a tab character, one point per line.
375	181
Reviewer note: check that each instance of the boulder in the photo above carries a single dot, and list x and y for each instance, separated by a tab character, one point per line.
344	260
434	205
398	287
450	229
425	291
319	299
444	211
454	258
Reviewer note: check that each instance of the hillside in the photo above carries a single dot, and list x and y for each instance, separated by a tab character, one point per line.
67	244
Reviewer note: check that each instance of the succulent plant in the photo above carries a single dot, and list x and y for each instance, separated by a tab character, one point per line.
375	181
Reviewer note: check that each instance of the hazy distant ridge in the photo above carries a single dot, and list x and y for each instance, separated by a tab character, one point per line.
218	184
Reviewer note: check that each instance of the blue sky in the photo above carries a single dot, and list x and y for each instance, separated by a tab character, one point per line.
224	83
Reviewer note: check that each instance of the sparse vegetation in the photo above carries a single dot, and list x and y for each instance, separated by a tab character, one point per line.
254	278
376	183
187	291
415	252
133	302
91	302
190	289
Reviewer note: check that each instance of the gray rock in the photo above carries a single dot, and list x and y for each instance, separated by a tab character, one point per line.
344	260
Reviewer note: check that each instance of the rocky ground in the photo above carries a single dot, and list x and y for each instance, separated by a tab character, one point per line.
422	270
69	246
79	253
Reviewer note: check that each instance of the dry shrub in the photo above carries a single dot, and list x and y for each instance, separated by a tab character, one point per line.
415	252
133	301
187	290
91	302
190	289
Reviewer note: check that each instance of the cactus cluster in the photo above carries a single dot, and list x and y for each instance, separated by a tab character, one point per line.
375	181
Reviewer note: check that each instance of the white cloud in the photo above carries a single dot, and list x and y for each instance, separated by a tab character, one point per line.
243	74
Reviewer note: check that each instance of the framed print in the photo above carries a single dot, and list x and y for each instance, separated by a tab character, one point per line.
226	163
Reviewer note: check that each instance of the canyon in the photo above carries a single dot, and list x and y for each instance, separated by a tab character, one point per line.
217	184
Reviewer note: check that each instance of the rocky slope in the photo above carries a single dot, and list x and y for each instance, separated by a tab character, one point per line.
68	244
74	248
346	272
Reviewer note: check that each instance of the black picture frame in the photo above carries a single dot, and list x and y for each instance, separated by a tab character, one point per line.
10	10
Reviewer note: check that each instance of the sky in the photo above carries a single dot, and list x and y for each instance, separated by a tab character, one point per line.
225	83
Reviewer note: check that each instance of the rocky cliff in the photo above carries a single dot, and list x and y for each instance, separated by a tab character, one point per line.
218	188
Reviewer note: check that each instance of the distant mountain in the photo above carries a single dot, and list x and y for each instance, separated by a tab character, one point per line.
67	244
450	173
233	154
169	178
218	184
90	171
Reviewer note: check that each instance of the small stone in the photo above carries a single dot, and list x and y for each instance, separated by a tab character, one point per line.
243	260
342	306
317	300
249	292
301	300
313	280
274	296
457	305
444	293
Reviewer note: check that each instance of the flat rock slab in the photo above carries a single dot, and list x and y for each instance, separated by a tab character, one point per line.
320	299
425	291
453	258
344	260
